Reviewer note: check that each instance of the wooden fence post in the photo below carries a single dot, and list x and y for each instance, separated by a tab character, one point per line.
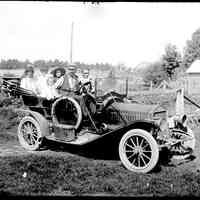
180	102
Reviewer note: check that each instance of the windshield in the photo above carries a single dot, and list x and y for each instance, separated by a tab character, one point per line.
105	85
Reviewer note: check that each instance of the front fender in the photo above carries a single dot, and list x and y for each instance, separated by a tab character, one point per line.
143	124
114	136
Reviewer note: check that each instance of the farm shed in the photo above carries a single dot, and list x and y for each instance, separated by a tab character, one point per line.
193	77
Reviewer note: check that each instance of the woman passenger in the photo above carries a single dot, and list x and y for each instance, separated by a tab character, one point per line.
29	81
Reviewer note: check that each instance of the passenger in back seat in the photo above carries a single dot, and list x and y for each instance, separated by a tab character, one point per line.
29	81
48	89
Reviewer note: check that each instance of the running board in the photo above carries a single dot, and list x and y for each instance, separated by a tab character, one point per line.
80	140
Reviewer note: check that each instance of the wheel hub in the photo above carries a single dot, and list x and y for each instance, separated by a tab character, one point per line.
29	131
138	150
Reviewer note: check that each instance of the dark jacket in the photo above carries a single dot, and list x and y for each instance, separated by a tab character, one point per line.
66	85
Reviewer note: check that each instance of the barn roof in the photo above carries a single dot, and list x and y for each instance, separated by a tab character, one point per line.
194	68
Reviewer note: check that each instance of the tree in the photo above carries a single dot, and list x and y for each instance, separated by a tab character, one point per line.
192	49
165	68
155	73
3	64
40	64
171	60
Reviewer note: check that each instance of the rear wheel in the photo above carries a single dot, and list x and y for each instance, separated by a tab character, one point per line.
138	151
29	134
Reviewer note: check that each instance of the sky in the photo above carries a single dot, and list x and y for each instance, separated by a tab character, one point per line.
128	33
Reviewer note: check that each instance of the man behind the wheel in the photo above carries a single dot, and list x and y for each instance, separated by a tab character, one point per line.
69	85
69	82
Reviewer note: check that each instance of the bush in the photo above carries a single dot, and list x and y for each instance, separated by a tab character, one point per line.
9	101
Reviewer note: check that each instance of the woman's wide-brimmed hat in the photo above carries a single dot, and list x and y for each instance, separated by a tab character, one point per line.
61	69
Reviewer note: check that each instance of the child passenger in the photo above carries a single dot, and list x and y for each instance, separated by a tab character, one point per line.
49	91
50	83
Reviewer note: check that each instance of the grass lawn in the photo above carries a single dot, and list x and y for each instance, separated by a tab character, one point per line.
55	174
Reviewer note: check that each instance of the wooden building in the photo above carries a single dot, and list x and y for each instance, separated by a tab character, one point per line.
193	77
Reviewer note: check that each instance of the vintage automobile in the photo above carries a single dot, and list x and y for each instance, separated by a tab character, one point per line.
138	132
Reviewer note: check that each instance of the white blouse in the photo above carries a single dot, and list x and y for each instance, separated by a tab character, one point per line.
30	84
46	90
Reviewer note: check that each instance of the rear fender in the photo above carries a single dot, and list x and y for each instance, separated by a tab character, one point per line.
43	123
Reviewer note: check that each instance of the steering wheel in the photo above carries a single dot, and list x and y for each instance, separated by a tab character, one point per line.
83	89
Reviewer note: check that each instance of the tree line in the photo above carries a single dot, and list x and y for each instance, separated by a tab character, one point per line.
46	64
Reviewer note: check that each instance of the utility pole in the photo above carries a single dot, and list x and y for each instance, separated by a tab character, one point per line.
71	42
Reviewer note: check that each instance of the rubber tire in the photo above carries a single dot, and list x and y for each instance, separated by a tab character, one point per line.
21	139
153	144
79	111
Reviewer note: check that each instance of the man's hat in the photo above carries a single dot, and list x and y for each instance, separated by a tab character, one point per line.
86	71
72	66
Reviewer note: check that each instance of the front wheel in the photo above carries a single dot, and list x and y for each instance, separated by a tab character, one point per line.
138	151
29	134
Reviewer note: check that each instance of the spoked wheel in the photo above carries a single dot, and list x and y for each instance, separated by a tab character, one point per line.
29	134
138	151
